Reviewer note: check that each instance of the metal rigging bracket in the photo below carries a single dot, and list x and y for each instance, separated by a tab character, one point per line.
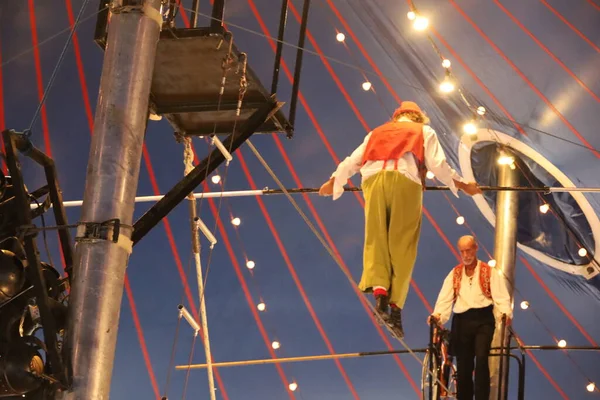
107	230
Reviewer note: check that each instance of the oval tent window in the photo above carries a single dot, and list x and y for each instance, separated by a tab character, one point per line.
554	237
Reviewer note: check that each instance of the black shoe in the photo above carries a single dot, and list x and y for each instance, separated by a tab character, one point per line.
395	322
381	307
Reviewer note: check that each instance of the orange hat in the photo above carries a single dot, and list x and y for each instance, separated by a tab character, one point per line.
407	106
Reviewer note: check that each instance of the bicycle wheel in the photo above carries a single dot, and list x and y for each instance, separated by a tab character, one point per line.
425	377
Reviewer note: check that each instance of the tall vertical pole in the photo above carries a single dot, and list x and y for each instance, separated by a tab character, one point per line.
188	160
102	251
505	251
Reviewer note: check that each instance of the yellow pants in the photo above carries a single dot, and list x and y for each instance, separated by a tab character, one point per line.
393	206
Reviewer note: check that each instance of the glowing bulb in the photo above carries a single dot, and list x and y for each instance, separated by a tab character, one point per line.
492	263
151	117
421	23
216	179
261	306
544	208
481	110
524	305
250	264
340	37
411	15
366	86
505	160
275	345
429	175
446	63
591	387
293	386
460	220
447	85
582	252
236	221
470	128
562	343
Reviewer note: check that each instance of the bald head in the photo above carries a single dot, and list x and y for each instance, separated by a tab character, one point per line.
467	246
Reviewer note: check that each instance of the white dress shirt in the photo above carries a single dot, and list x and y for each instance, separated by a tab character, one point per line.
435	161
470	295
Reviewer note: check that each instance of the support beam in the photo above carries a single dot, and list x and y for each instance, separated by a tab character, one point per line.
279	51
505	250
218	12
102	250
298	68
187	185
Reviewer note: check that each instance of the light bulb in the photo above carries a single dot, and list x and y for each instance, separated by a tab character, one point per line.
250	264
411	15
591	387
151	117
446	63
481	110
544	208
562	343
236	221
261	306
492	263
366	86
447	85
460	220
582	252
470	128
524	305
275	345
505	160
340	37
421	23
216	179
293	386
429	175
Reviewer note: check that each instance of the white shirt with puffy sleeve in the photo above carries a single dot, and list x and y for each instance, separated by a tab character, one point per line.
435	161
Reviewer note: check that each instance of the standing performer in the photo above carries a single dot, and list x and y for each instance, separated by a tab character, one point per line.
475	291
393	160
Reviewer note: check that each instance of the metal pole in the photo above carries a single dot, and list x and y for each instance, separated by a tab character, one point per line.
505	250
102	252
298	359
279	51
189	166
258	192
298	69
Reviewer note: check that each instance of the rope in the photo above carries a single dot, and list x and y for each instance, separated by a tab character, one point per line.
325	245
49	39
187	375
57	67
172	360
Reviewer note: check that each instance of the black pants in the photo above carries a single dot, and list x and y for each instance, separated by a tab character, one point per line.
472	334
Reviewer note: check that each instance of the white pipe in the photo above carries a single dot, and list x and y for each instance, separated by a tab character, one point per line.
202	226
188	317
204	321
222	149
147	199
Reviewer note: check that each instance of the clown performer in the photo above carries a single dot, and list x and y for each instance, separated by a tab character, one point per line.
393	160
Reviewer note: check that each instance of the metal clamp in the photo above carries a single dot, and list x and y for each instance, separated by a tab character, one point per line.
107	230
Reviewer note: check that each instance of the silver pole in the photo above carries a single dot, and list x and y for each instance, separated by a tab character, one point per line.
505	251
111	184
